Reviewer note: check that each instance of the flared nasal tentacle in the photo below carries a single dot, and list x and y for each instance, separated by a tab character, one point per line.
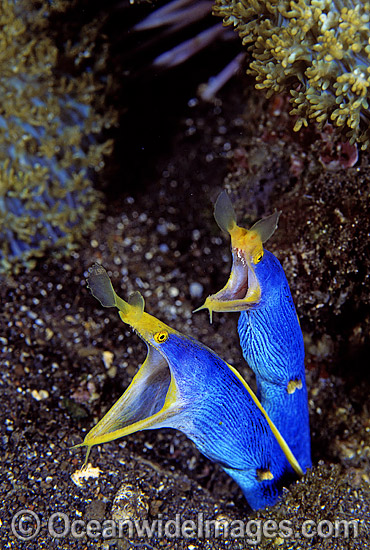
102	289
224	212
266	227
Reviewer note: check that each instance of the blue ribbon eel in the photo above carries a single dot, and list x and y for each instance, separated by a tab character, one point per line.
268	327
183	384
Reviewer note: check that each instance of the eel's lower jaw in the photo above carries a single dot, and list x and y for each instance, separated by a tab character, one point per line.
149	402
241	292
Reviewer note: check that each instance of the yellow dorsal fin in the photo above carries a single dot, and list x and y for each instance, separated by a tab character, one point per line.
283	444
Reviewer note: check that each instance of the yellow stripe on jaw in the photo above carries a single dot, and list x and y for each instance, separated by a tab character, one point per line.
98	435
116	423
242	271
212	303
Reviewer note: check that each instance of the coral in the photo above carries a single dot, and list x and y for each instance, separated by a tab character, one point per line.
317	49
49	122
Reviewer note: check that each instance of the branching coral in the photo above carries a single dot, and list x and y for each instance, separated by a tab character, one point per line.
317	49
49	120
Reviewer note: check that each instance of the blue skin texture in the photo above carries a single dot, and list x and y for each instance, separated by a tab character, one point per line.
272	344
223	421
183	384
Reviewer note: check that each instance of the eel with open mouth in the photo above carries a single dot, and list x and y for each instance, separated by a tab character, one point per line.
269	330
183	384
242	291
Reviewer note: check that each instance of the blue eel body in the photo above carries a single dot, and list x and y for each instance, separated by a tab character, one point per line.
184	385
223	421
272	344
269	330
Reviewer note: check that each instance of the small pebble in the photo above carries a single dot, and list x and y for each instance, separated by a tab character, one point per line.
195	234
162	229
173	292
107	357
112	372
196	290
85	473
40	395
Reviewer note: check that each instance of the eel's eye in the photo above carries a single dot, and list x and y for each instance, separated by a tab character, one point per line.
258	257
161	336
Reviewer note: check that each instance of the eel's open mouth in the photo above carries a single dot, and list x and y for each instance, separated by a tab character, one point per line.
149	402
242	290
